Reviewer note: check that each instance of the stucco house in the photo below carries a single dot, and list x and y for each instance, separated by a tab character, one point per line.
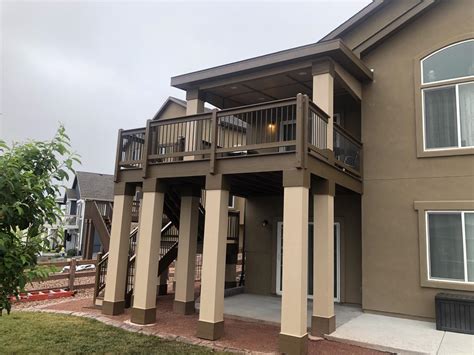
355	159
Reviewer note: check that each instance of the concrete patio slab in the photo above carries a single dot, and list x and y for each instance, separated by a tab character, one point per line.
454	343
403	336
268	309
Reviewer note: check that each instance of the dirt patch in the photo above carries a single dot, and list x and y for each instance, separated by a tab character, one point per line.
239	334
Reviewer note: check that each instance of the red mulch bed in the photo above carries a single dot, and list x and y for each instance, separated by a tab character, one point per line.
240	334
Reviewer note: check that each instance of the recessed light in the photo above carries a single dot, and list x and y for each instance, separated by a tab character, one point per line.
234	87
261	99
302	73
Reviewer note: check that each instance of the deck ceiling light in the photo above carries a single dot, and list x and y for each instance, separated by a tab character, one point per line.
302	73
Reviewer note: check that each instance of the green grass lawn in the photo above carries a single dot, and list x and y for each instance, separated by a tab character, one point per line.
44	333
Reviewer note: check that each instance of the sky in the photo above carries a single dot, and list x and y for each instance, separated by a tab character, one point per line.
97	67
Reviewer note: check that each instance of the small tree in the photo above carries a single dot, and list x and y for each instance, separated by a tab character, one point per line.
31	176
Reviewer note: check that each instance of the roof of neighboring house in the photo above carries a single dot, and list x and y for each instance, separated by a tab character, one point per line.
94	186
170	100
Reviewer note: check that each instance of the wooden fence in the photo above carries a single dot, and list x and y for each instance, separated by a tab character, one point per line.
70	276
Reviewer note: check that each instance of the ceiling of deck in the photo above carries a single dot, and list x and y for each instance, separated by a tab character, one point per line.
269	88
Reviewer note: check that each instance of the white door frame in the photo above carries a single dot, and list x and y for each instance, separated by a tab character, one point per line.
338	251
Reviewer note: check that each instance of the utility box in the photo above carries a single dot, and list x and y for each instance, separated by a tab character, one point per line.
455	313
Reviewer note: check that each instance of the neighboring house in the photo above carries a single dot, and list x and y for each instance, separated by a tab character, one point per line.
88	213
355	156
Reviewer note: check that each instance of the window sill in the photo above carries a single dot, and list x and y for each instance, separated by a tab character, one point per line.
447	285
445	152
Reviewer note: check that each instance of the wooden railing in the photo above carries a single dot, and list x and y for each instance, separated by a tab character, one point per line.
293	125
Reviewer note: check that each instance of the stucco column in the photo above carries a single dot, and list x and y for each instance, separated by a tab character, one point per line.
186	262
194	105
293	337
114	298
148	253
323	93
323	320
211	314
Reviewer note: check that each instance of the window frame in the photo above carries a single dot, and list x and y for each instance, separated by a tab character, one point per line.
456	86
422	207
420	86
464	242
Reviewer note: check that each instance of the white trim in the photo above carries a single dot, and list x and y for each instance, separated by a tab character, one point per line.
458	117
279	258
233	202
463	228
436	52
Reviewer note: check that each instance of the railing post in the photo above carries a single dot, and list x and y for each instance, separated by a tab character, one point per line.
118	155
97	277
146	152
299	131
72	274
212	166
305	129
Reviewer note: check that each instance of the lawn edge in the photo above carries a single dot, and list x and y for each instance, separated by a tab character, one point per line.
144	330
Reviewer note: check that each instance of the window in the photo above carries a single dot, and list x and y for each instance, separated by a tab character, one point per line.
448	97
450	245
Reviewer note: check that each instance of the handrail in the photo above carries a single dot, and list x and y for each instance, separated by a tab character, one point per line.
318	110
183	119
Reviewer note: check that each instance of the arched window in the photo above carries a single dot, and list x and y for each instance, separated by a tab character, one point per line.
448	97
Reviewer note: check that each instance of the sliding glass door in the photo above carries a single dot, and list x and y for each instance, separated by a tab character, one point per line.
337	248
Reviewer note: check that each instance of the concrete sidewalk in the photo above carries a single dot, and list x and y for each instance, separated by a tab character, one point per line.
403	336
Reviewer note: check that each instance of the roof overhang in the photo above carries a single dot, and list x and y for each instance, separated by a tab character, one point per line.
334	49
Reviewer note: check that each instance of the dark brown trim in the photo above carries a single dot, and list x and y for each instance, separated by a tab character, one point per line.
296	178
185	308
153	185
210	331
293	345
217	182
323	187
331	48
124	188
113	308
321	326
354	20
143	316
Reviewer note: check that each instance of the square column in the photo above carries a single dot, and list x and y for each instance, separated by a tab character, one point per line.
186	262
323	320
114	298
211	314
194	105
323	93
293	337
148	253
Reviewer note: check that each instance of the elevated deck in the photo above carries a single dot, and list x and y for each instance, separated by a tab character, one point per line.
254	142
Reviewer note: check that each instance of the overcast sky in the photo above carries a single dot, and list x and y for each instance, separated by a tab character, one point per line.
100	66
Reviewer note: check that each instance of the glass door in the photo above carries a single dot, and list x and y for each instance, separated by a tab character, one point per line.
337	252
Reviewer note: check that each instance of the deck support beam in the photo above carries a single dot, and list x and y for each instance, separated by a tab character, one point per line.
114	298
323	320
148	250
293	338
186	262
211	314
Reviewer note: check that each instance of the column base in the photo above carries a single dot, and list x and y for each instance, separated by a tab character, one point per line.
162	290
185	308
113	308
322	325
289	344
210	331
143	316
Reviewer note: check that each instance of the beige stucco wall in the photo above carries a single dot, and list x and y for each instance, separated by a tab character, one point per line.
261	244
393	175
172	110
